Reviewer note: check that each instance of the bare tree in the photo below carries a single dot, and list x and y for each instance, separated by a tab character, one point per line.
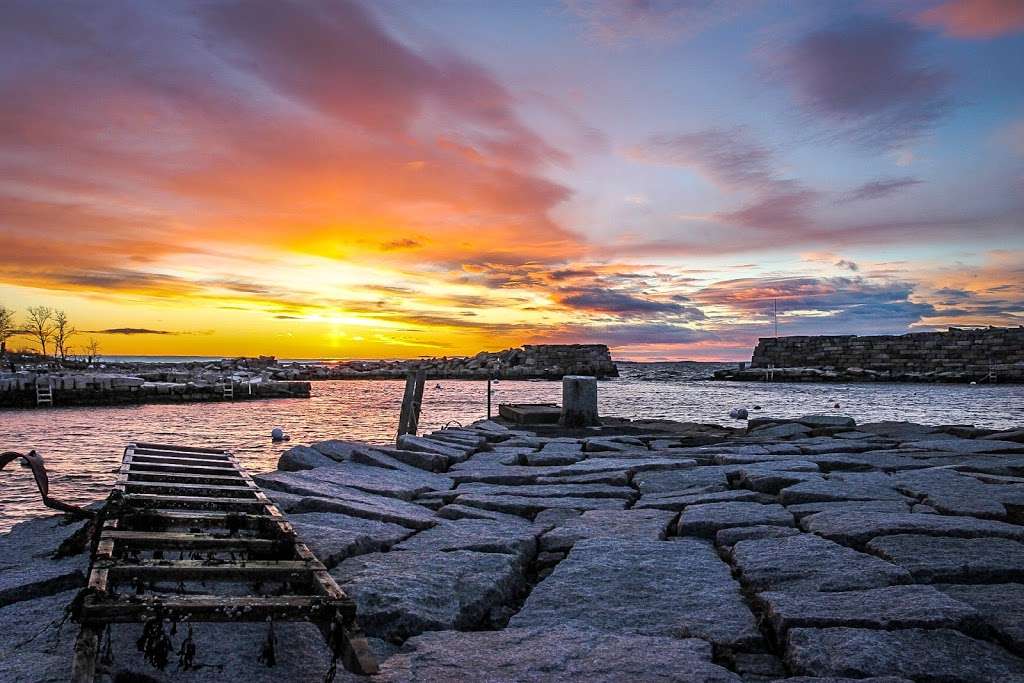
92	349
63	330
40	325
6	328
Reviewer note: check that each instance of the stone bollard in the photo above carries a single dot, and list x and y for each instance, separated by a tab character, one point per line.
579	401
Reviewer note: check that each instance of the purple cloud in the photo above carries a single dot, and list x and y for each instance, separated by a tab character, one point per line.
876	189
862	78
601	300
727	157
781	210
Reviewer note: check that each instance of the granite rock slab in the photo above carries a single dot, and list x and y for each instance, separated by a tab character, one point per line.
917	654
696	480
299	458
842	487
707	519
456	511
27	567
559	653
334	537
856	528
527	506
406	485
479	535
668	501
932	559
368	506
1001	609
810	563
888	608
952	493
733	535
967	446
338	449
677	589
548	490
772	481
403	593
631	524
802	510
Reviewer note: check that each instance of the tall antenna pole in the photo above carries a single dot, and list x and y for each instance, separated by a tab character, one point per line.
775	305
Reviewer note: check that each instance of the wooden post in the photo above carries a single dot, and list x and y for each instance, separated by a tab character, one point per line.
417	401
412	401
579	401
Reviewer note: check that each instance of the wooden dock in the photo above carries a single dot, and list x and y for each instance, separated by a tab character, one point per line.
181	519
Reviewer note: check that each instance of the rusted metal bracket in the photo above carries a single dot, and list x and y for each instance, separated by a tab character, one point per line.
35	463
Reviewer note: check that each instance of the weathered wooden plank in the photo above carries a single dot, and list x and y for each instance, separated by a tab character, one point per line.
144	500
136	466
187	478
215	608
182	449
181	456
179	489
186	540
206	570
141	457
83	666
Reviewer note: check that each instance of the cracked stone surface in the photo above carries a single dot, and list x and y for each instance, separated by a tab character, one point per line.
934	559
1000	606
632	524
707	519
480	535
858	527
333	537
917	654
809	563
403	593
663	588
887	608
560	653
884	553
27	567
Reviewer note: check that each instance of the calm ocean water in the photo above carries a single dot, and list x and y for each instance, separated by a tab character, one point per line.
82	446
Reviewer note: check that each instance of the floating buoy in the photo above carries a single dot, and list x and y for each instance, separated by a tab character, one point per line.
738	413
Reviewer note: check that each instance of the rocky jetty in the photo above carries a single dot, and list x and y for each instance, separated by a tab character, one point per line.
993	355
808	550
120	383
532	361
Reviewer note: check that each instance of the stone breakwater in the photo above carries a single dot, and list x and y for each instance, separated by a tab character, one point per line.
532	361
993	355
20	389
801	550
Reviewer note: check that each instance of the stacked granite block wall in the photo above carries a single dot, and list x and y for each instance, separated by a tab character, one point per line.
957	352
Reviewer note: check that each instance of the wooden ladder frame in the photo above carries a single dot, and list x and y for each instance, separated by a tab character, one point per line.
201	488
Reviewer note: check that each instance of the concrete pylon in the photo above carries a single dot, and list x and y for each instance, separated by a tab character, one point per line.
579	401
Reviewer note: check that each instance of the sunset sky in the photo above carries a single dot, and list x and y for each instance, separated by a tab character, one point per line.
400	178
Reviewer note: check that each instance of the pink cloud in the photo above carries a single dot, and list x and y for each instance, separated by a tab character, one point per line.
976	18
